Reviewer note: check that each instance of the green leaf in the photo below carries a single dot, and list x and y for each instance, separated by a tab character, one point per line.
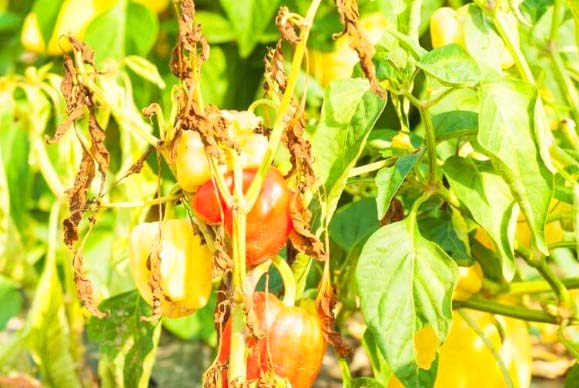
481	40
125	338
365	382
389	180
249	19
451	65
506	133
141	29
405	283
490	202
353	222
448	229
572	379
349	112
216	28
4	208
128	28
46	13
15	148
455	123
9	21
198	326
380	367
10	300
48	334
145	69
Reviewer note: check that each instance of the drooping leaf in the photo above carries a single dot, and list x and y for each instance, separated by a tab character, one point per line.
451	65
405	282
349	112
47	331
490	202
145	69
389	180
507	136
126	339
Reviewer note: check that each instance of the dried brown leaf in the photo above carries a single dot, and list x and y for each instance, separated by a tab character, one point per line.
286	26
395	212
348	10
325	303
301	236
275	75
154	281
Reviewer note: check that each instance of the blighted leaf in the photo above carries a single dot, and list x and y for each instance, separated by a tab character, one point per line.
405	283
490	202
349	113
145	69
126	339
349	15
325	303
301	236
389	180
506	133
451	65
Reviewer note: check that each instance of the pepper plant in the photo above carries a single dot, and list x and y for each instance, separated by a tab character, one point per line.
404	166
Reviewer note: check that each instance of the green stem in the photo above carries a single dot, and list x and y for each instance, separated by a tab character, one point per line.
414	19
280	120
371	167
430	142
503	28
568	344
537	286
565	82
490	346
151	202
238	353
46	167
289	281
517	312
556	284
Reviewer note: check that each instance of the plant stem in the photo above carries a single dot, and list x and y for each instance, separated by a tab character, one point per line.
414	20
371	167
568	344
538	286
430	142
150	202
489	345
238	353
280	120
503	28
46	168
556	284
517	312
289	281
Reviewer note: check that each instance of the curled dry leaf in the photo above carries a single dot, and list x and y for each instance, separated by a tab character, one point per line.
348	10
325	303
275	75
222	262
79	101
154	280
301	237
286	26
395	212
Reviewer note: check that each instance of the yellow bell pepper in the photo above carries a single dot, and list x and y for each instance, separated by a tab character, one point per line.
185	267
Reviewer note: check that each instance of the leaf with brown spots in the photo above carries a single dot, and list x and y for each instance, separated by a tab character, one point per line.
275	75
348	10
